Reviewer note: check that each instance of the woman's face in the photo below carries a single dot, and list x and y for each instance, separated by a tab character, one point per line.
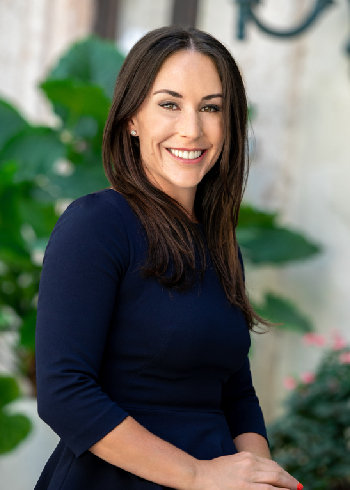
180	124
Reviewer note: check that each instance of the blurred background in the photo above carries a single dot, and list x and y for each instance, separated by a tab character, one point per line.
58	63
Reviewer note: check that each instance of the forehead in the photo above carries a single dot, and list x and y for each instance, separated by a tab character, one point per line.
189	69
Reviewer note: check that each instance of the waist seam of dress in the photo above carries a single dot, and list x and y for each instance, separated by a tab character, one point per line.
167	408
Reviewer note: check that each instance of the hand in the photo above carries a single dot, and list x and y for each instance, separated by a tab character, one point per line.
242	471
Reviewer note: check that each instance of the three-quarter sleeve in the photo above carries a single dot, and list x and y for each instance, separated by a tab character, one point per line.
84	262
240	403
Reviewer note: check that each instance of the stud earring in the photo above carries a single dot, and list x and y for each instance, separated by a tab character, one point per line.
133	132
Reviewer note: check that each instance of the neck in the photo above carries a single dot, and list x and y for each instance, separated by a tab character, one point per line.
186	199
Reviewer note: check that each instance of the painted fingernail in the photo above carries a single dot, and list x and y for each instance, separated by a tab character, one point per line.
300	486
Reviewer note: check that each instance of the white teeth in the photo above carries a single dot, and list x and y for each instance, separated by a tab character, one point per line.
187	155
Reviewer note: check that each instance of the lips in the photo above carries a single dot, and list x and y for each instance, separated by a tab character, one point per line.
190	155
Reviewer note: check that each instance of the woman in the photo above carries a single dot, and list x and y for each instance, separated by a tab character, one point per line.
143	320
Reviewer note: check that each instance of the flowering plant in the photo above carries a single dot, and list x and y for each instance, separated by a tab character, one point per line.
312	439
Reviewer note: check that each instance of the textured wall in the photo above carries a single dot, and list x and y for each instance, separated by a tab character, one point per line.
32	35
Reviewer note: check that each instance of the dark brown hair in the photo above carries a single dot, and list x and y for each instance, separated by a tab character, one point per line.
176	244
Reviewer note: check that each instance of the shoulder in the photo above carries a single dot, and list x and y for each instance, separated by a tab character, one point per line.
103	205
97	223
102	211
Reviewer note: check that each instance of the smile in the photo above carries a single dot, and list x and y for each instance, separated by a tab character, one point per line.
186	154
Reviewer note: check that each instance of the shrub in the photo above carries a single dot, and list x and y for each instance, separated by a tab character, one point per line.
312	439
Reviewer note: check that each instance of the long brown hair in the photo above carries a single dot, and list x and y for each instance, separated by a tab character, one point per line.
176	248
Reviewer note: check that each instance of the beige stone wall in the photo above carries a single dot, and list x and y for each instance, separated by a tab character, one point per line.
32	35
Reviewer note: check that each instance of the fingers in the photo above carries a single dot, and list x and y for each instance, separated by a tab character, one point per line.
280	478
267	471
265	486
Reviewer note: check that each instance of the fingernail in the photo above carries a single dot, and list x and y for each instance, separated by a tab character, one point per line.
300	486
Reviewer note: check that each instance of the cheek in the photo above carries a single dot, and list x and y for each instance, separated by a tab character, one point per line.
215	131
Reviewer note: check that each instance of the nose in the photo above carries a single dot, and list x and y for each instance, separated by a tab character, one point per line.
190	124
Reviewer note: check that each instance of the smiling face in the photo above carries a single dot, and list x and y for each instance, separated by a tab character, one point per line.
180	125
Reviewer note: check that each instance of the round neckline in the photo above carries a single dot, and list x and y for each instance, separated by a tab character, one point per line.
196	223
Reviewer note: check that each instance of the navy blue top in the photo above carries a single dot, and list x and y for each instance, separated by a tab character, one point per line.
111	343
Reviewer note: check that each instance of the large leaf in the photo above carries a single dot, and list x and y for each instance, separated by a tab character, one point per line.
9	390
249	216
35	149
27	331
281	310
11	122
13	247
13	428
274	245
78	98
84	179
8	171
265	242
23	220
40	216
90	60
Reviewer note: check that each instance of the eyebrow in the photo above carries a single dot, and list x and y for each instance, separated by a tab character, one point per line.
176	94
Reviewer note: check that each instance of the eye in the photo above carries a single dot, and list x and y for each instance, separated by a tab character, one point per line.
211	108
171	106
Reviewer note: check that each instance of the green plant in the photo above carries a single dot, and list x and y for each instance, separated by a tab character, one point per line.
41	169
13	427
312	439
264	242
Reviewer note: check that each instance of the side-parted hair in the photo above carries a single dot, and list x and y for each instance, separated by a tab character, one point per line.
176	244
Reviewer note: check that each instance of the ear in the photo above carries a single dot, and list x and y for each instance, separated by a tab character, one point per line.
131	125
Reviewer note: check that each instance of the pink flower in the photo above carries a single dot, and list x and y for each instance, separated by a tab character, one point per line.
308	377
314	339
338	341
289	382
344	357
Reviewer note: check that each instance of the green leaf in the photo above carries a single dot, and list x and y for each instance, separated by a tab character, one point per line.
7	173
281	310
9	390
274	246
78	98
13	429
27	331
11	122
35	149
92	61
13	247
85	179
265	242
40	216
250	216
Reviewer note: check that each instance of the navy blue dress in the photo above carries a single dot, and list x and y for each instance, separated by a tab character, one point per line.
111	343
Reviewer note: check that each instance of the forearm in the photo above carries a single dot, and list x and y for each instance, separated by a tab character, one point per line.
135	449
253	443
